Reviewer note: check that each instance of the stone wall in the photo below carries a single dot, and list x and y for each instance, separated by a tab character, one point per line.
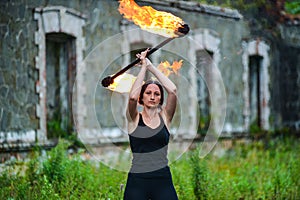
289	76
17	72
19	77
221	31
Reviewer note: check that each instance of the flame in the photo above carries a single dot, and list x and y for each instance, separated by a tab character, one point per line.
124	82
167	69
151	20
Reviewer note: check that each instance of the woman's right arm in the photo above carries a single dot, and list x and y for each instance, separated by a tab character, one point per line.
135	91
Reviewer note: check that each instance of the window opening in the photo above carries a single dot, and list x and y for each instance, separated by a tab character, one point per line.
60	77
204	62
254	90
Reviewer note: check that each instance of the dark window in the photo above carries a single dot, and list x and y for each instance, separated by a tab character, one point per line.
60	76
204	78
254	90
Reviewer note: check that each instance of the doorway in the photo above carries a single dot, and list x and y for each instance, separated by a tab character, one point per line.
60	77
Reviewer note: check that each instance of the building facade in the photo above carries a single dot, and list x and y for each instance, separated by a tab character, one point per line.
235	76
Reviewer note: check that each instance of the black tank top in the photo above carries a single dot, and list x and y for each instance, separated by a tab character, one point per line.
149	148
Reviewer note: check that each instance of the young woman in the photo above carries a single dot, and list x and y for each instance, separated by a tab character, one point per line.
150	176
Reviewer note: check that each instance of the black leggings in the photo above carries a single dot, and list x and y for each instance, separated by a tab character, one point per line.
147	188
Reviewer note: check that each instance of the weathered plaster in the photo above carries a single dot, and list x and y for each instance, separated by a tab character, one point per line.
56	19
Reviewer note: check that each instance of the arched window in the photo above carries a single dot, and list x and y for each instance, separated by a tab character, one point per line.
204	53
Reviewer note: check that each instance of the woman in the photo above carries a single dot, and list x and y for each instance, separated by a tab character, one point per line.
150	176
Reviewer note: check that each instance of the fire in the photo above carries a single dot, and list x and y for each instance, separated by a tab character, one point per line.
124	82
167	69
151	20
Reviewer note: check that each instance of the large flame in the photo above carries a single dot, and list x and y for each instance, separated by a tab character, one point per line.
151	20
124	82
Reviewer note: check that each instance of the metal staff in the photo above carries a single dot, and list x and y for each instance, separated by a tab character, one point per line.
110	79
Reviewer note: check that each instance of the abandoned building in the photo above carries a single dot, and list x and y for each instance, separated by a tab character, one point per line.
54	55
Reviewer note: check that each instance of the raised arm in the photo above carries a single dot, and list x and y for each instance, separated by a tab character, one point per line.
169	86
135	91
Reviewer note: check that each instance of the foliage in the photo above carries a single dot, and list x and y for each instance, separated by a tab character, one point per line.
203	125
258	170
58	127
59	176
199	176
292	7
237	4
55	130
255	170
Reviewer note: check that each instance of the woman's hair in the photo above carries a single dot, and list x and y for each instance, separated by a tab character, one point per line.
145	85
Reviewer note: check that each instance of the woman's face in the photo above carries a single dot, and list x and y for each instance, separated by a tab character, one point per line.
151	96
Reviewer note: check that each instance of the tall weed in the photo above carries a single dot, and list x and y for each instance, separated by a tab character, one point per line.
199	175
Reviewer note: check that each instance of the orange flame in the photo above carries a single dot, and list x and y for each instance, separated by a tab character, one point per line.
151	20
167	69
124	82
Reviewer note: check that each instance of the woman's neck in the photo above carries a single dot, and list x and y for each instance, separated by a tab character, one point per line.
150	113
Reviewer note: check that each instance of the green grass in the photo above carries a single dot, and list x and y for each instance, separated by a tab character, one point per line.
292	7
258	170
254	171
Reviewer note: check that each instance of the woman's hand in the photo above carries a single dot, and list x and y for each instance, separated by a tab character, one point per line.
142	56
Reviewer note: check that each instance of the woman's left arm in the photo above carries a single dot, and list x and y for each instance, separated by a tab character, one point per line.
170	88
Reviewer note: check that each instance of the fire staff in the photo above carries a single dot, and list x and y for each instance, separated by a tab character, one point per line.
148	130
